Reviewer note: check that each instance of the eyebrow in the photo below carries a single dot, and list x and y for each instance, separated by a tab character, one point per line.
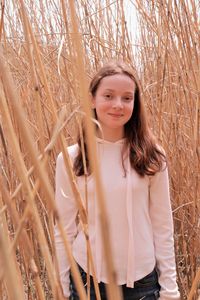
127	92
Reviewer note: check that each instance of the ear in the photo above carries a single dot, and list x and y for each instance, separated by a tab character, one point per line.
92	101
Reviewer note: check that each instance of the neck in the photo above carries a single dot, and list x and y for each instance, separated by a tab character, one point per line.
111	135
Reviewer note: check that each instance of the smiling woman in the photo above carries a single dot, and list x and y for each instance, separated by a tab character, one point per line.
134	176
113	103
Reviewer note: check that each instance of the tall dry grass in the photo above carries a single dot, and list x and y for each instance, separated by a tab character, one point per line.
49	51
170	61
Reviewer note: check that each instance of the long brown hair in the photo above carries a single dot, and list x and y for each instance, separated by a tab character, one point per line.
145	155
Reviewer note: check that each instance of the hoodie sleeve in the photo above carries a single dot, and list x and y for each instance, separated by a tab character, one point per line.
162	224
67	210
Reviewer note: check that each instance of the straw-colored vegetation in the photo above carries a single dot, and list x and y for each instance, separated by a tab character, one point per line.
49	51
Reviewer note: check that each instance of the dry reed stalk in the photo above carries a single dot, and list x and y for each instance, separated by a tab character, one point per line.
39	289
73	267
8	264
41	236
58	127
2	16
47	187
171	74
35	80
83	220
112	288
22	169
82	214
194	286
66	157
12	278
24	239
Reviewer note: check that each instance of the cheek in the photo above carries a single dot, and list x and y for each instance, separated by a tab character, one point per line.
103	107
129	109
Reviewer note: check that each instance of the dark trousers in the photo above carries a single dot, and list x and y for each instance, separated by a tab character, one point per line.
146	288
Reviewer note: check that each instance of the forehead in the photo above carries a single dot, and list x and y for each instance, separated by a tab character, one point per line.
117	82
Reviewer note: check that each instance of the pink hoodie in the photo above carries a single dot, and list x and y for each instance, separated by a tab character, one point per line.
139	216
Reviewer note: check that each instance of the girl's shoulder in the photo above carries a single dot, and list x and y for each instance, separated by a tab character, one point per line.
72	151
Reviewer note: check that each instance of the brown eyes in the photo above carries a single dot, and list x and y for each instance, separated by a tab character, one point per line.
124	99
128	99
107	96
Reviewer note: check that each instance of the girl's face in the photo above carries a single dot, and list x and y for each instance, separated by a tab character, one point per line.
114	102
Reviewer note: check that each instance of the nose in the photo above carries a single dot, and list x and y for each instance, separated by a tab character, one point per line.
117	103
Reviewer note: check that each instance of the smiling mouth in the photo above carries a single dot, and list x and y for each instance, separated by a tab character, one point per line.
116	115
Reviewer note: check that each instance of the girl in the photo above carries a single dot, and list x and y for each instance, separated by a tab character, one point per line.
135	180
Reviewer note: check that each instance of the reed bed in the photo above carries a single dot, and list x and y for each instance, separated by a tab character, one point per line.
49	51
